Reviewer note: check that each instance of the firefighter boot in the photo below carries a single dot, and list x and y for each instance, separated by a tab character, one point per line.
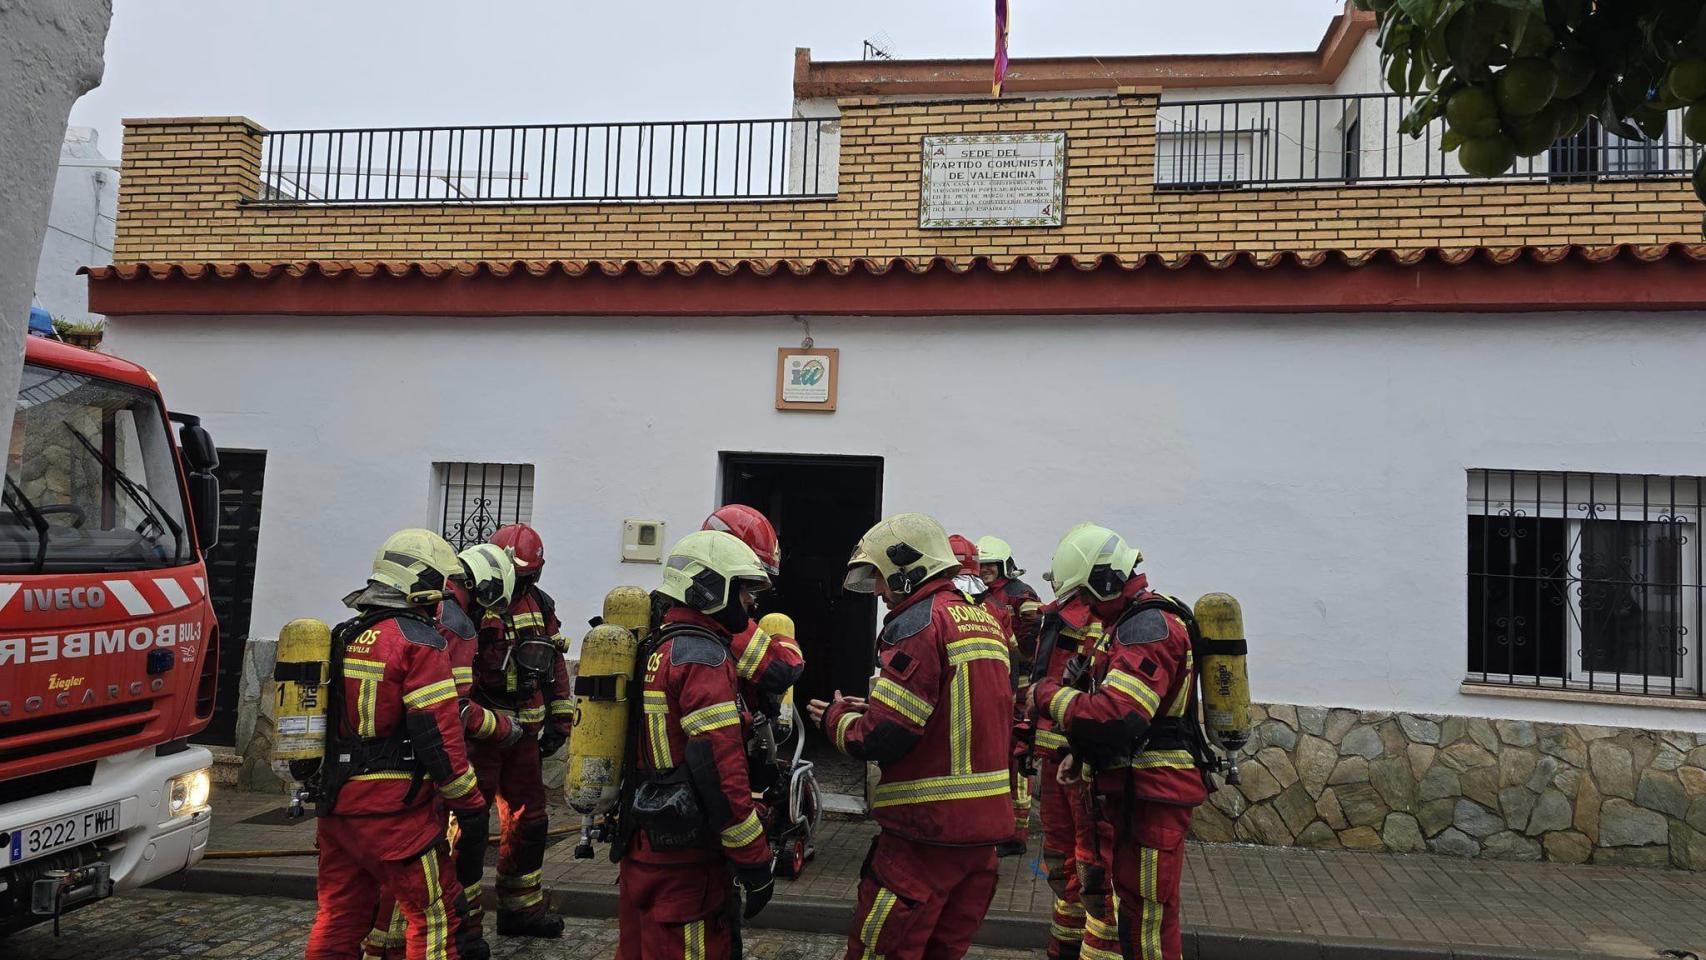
521	903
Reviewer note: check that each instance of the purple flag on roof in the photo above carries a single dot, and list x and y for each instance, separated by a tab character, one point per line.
1000	44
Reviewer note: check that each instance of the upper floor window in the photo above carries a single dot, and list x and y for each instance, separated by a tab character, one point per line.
1585	581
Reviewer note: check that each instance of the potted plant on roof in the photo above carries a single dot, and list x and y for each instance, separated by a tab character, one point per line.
80	333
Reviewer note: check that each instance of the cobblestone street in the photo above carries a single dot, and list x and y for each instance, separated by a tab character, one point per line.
157	925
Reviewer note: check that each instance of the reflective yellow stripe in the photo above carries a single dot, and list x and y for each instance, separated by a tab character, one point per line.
938	789
871	931
1050	740
714	717
366	706
1156	760
976	648
755	650
693	941
1059	702
743	832
1030	606
562	708
531	714
462	675
432	693
656	705
841	729
1064	934
789	645
1091	952
1150	938
534	619
1068	908
1101	930
1180	700
902	701
364	669
488	725
520	901
519	881
385	775
1134	688
437	921
959	722
460	786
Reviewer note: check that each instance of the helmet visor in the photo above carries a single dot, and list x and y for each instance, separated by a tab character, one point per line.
861	578
534	656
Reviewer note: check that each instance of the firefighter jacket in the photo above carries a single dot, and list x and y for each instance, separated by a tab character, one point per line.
1074	630
397	684
1134	724
501	685
938	722
694	723
1025	608
767	664
463	637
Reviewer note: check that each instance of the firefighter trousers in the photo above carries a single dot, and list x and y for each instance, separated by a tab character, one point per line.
352	880
1060	838
1019	782
676	911
513	775
1148	861
1092	856
920	901
468	853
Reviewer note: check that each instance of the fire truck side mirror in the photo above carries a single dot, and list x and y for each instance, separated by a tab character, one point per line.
197	444
204	503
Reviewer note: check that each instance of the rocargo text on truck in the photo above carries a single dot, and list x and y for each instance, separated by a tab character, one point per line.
108	643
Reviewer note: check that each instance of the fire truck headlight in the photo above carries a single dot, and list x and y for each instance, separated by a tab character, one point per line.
189	793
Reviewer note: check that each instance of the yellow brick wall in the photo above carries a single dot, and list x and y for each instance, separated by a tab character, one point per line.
185	180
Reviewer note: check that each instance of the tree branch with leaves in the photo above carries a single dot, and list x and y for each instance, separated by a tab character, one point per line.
1512	77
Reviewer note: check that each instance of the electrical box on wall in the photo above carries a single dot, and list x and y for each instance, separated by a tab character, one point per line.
642	541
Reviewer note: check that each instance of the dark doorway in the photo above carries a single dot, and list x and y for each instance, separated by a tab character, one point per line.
820	505
231	579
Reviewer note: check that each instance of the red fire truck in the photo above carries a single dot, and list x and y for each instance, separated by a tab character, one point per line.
108	643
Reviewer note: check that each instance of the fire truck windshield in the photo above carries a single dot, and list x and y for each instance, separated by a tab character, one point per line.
91	479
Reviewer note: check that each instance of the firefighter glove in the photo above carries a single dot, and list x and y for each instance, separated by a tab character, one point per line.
1076	673
550	741
758	884
473	824
513	737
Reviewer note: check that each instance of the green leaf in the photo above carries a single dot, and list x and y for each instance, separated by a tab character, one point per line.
1450	141
1527	6
1421	11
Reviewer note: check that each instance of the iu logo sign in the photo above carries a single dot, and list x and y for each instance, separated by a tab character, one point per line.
807	373
805	379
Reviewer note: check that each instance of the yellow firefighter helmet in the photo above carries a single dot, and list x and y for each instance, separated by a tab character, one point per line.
417	563
491	575
1093	558
998	551
904	550
705	567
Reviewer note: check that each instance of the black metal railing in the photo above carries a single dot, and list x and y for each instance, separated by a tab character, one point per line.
1586	581
477	498
564	163
1347	139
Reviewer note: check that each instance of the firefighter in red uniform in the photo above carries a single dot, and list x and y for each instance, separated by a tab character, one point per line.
1066	630
1130	723
767	665
519	674
1001	575
394	750
938	722
688	817
486	584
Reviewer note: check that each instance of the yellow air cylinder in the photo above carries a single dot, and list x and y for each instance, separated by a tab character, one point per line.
779	625
300	677
1225	676
602	698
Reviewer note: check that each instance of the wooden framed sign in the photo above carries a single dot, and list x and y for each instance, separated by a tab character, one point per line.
807	377
995	180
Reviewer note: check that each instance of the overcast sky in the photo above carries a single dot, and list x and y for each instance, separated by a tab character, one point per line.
348	63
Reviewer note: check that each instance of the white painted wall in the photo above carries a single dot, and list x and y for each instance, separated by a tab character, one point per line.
1313	466
80	225
50	54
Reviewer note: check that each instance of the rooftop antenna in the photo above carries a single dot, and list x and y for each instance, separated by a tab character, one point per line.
878	46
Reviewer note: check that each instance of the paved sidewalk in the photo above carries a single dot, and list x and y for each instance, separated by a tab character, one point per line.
1240	901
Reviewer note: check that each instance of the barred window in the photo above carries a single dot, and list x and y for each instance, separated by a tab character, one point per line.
1586	581
474	499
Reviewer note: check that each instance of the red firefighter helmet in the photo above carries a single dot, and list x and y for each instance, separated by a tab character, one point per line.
525	547
966	552
751	528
